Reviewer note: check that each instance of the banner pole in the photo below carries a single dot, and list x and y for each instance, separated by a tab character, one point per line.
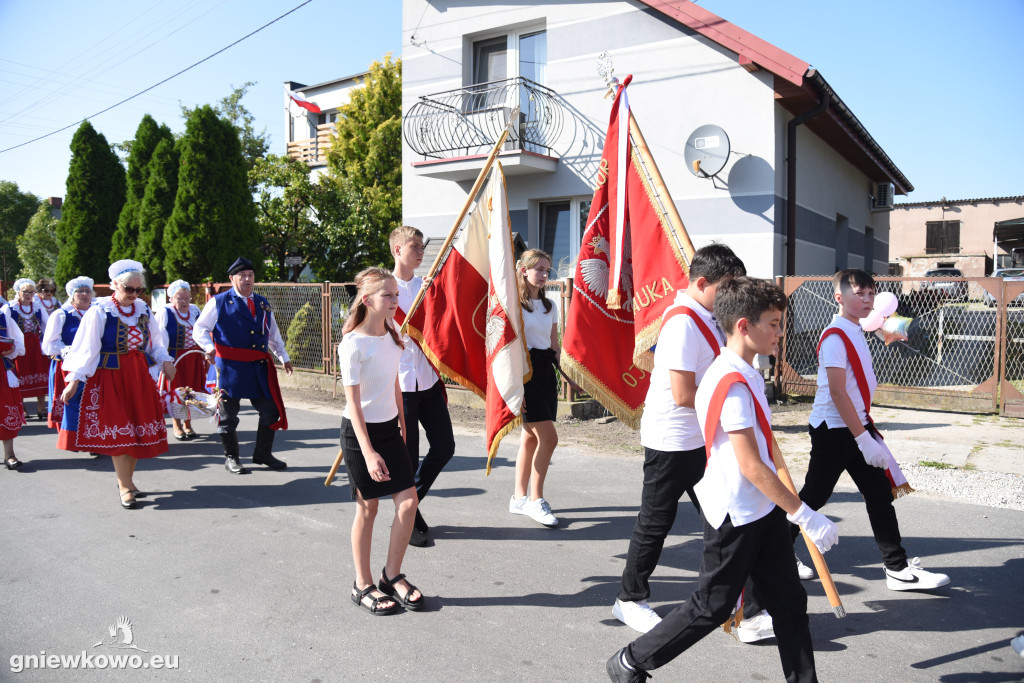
480	179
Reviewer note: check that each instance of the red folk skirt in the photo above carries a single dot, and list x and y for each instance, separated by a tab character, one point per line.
12	415
56	388
120	413
32	369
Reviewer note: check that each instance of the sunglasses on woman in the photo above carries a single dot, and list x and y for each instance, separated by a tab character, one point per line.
134	290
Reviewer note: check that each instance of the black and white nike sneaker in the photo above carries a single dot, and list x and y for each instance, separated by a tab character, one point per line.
914	578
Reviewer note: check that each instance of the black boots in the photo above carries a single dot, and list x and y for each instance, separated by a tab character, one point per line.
261	454
231	463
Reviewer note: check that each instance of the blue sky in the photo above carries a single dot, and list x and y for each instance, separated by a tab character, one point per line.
936	82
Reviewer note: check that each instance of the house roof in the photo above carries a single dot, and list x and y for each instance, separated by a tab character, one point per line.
976	200
798	88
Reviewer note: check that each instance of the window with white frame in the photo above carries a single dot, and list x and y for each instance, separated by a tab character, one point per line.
518	53
562	224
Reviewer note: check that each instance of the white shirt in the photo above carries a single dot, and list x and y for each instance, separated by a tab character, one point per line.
371	363
52	343
160	333
666	426
537	324
724	490
415	373
81	361
833	355
202	332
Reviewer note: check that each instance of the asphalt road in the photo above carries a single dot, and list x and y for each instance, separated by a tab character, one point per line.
247	578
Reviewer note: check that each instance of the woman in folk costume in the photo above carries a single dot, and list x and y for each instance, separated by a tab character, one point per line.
173	330
60	332
33	368
45	290
12	415
119	412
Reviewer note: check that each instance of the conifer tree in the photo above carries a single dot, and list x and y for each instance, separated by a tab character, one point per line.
93	202
126	237
213	219
156	208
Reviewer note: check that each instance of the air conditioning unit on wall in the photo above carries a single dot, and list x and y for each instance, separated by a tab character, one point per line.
882	196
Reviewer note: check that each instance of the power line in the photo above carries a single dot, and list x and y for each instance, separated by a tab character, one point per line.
142	92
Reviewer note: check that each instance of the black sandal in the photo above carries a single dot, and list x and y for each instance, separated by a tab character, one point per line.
190	434
374	607
129	504
12	463
387	586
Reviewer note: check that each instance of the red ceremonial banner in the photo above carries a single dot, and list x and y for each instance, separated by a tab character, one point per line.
610	329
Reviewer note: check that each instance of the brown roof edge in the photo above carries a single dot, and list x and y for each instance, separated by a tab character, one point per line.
846	117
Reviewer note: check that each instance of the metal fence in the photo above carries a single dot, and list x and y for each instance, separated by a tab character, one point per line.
964	349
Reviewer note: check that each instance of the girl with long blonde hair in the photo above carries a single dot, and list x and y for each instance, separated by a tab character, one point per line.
540	399
373	441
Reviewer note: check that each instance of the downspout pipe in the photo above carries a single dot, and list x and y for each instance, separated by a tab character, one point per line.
819	108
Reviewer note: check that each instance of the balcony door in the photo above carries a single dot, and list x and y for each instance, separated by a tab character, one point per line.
499	64
562	224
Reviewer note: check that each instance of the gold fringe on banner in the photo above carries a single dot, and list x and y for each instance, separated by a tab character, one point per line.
578	374
901	490
502	433
614	300
444	369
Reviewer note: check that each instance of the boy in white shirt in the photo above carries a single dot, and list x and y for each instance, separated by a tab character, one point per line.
843	437
674	456
743	502
423	396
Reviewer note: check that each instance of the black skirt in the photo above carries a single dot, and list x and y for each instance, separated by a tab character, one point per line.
540	394
386	438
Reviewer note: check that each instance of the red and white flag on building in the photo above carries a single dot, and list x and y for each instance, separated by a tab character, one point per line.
629	268
300	100
469	323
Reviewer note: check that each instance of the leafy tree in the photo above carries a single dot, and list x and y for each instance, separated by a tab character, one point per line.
156	208
16	208
37	246
365	161
94	199
292	210
254	145
213	221
126	236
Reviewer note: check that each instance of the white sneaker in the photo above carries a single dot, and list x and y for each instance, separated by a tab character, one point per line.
637	615
805	572
914	578
515	505
756	628
540	511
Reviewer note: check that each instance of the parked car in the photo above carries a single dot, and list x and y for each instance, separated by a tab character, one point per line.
1008	275
952	290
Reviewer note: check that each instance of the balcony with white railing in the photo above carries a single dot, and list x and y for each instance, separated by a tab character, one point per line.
455	130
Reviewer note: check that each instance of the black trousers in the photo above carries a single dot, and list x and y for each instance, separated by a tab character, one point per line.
430	409
266	408
667	476
834	451
762	550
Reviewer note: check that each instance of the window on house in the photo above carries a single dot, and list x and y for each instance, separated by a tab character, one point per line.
326	117
501	58
562	224
942	237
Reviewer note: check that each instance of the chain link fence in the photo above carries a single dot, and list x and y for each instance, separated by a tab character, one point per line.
1011	385
950	358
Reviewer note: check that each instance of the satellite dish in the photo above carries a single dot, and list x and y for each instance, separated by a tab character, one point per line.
707	151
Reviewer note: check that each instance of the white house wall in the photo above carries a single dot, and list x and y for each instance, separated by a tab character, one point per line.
681	80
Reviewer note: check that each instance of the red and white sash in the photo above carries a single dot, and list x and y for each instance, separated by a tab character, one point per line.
900	486
712	340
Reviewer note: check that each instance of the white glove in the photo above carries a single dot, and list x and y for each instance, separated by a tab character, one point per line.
872	451
820	529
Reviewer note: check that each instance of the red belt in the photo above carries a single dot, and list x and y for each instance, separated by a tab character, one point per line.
250	356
